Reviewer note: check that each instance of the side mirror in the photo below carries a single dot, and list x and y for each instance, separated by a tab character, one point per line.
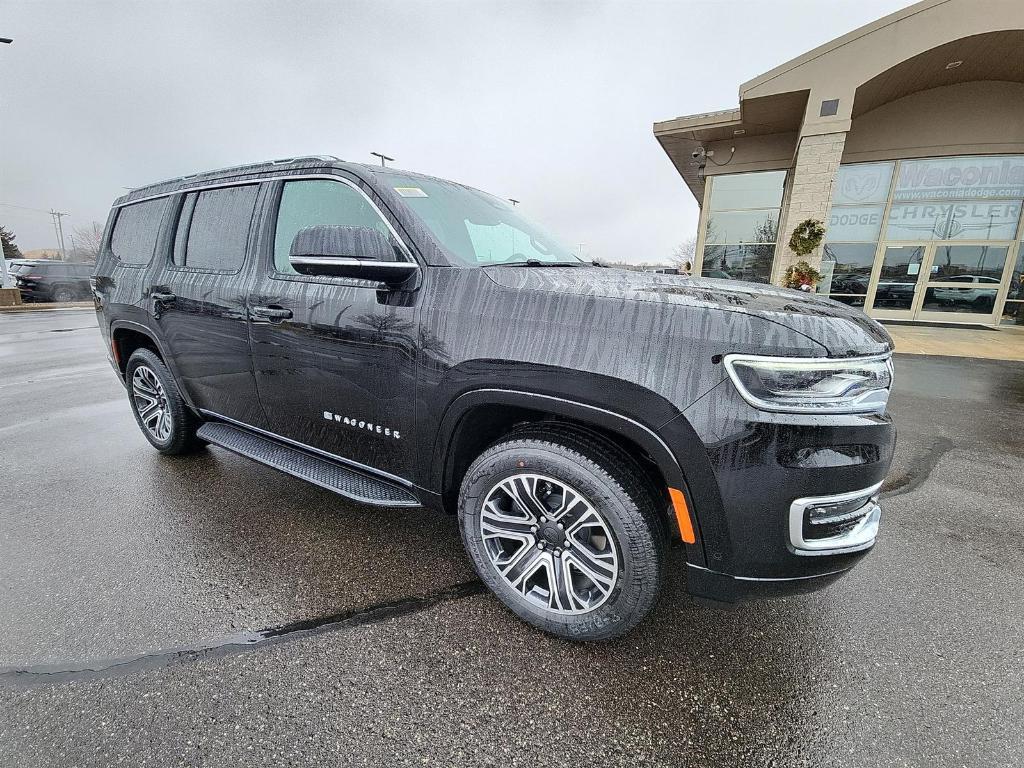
360	252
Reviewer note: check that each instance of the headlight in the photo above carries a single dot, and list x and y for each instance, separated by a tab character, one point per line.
812	385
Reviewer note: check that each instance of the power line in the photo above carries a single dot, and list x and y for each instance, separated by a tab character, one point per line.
23	207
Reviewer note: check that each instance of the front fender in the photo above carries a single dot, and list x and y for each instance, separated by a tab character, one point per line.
603	416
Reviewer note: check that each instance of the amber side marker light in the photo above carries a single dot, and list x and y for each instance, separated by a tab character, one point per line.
682	515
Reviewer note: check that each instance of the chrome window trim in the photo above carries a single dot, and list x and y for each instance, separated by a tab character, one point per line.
765	405
342	261
860	537
289	177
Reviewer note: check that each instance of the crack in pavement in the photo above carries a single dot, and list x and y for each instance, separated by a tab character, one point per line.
919	470
233	645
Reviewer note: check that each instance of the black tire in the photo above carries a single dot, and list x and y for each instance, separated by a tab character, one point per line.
63	294
176	435
615	487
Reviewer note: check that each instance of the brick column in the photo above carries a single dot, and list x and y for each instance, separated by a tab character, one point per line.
810	194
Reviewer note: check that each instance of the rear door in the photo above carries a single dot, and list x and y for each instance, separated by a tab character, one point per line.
334	358
198	299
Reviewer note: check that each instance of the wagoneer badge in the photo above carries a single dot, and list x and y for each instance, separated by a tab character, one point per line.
360	424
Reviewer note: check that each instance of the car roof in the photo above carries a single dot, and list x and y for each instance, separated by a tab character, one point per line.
284	166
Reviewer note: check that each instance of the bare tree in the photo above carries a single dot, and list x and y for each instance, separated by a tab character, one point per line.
87	240
684	254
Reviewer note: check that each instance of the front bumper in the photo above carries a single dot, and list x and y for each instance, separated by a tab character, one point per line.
770	473
717	587
32	294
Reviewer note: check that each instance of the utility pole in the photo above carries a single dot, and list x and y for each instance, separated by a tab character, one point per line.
383	158
5	275
59	231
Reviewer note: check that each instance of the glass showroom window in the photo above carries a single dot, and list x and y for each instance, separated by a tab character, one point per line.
742	225
1013	310
851	235
957	198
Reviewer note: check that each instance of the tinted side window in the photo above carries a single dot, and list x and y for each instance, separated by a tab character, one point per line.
136	230
320	201
213	228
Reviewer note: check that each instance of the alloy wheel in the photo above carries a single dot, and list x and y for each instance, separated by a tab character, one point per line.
151	403
549	543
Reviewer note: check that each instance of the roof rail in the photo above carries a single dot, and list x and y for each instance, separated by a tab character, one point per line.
244	166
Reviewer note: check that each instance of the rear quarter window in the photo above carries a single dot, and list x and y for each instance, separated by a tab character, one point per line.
135	231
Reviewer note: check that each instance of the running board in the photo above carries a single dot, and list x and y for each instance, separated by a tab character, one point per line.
350	483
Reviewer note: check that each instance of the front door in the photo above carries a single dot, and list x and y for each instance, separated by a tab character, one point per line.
896	282
962	283
943	282
334	358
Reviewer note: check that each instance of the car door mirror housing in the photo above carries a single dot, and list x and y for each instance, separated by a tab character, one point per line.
336	251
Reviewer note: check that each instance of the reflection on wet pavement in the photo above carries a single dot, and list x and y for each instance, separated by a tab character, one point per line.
162	575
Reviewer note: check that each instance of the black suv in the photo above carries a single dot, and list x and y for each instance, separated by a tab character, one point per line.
406	341
53	280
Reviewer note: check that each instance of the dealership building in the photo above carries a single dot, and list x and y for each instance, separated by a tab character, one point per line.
905	137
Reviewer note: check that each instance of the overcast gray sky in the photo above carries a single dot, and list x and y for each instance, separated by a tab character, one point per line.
550	103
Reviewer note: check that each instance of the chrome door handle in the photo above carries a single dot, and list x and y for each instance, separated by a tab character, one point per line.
272	313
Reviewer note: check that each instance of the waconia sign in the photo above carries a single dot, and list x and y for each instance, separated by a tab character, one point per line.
959	178
946	198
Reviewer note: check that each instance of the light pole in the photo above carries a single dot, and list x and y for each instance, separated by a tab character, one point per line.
383	158
5	274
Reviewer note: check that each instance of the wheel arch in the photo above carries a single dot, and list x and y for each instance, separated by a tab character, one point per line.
477	418
126	336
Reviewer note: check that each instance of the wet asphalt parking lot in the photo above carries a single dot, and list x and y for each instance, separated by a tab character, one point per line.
136	595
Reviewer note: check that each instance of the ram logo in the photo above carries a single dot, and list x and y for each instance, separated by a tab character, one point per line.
351	421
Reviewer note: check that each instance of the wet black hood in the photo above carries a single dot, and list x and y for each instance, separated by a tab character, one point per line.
844	331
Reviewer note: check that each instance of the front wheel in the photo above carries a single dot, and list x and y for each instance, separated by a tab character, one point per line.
160	411
562	526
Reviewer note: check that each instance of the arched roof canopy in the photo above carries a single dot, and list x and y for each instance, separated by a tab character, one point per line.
995	55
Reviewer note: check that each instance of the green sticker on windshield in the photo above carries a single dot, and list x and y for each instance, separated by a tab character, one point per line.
410	192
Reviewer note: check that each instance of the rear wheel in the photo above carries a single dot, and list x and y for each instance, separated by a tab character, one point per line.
562	526
62	294
160	411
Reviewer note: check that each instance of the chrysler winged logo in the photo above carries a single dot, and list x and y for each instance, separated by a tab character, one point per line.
351	421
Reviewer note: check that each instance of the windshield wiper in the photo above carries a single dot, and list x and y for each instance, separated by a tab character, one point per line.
537	263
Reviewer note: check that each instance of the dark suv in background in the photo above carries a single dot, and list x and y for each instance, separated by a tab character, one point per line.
53	280
406	341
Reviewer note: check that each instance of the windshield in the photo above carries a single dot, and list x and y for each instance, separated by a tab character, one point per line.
479	229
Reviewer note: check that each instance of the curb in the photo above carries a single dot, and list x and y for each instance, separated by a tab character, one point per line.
43	307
